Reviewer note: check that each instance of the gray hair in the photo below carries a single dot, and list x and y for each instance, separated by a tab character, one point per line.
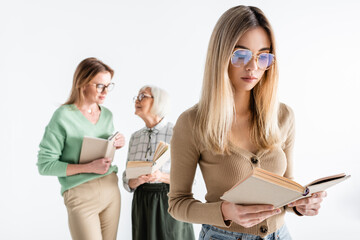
161	105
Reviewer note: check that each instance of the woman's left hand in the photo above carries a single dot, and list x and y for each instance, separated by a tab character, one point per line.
309	206
159	176
155	176
119	141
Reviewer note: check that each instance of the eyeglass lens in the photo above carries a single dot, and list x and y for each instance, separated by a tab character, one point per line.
241	57
101	87
140	97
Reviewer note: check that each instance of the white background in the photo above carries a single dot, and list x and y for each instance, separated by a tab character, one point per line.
164	43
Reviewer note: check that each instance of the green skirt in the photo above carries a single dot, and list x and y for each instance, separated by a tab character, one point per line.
150	217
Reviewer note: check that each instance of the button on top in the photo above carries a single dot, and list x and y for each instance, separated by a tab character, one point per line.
254	160
263	229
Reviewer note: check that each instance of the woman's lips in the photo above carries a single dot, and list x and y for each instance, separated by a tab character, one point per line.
249	79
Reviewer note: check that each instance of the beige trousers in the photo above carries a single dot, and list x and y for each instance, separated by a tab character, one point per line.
94	209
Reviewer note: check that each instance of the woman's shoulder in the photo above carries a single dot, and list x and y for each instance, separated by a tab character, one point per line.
286	115
63	111
188	116
139	132
61	115
105	110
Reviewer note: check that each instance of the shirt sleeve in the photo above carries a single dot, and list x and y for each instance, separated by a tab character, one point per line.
185	155
112	128
125	180
289	144
51	147
289	148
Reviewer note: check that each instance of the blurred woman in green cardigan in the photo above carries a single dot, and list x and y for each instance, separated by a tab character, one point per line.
91	193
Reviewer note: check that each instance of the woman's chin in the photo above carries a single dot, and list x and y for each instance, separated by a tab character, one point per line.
100	101
137	113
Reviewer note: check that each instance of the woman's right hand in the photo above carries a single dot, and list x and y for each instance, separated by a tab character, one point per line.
99	166
134	183
247	216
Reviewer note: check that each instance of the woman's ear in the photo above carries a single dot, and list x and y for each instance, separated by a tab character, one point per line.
82	89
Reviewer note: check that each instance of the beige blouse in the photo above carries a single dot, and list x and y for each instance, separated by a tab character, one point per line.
221	172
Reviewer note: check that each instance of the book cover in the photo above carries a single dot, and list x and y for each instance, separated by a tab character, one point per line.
263	187
94	148
134	169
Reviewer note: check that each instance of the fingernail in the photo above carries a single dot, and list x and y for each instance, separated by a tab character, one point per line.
278	210
290	204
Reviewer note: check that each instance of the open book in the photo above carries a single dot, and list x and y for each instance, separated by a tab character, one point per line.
134	169
263	187
94	148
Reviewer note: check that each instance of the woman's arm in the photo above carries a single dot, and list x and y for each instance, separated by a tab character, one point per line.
184	158
159	176
51	147
287	122
306	206
99	166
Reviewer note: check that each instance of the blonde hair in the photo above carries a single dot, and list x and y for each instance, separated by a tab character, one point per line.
216	108
84	73
161	105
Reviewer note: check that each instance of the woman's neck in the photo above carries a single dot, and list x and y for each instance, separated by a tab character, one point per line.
88	107
242	103
152	121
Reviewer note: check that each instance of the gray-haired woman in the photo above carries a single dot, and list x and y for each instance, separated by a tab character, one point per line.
150	217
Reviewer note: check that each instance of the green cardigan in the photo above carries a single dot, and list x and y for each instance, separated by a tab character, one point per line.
62	140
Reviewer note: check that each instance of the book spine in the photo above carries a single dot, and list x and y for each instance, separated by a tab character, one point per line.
109	149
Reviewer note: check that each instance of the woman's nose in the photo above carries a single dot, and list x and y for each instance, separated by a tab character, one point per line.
252	64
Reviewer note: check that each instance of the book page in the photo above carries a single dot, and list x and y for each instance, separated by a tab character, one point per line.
259	191
326	179
135	169
280	180
132	164
161	148
323	185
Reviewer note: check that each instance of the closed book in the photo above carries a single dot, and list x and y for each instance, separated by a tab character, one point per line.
263	187
95	148
134	169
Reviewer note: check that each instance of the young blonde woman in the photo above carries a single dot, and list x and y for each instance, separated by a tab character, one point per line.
91	193
236	126
150	218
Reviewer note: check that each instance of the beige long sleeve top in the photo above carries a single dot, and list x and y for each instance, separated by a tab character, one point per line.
221	172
